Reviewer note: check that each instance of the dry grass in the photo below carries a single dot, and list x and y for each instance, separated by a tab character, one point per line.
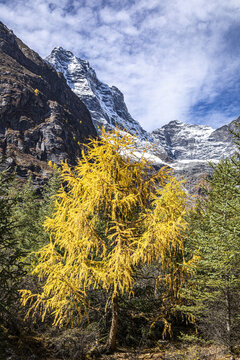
171	352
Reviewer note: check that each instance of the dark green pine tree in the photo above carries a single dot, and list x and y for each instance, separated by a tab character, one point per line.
23	208
30	209
11	254
213	291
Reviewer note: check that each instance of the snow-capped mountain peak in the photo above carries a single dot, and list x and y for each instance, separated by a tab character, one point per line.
105	103
193	142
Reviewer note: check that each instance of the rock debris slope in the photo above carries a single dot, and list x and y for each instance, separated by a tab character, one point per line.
41	119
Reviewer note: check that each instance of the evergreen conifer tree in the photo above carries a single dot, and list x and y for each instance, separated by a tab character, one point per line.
30	208
214	237
11	255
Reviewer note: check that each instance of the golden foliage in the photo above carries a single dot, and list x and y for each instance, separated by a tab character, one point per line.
113	215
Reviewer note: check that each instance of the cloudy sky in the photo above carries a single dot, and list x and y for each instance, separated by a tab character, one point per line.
172	59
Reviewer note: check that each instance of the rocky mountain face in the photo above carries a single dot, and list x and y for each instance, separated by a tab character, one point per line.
105	103
194	142
191	147
41	119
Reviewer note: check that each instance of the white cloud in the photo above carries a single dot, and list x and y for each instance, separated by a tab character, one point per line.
164	56
109	16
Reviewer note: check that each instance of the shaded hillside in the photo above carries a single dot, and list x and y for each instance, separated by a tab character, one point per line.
41	119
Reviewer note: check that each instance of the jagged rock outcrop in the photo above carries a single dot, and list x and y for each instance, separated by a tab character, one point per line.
191	147
41	119
195	142
105	103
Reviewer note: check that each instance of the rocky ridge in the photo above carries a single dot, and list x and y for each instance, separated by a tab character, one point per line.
41	119
187	142
191	148
105	103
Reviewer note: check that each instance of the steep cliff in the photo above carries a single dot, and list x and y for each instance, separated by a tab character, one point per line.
41	119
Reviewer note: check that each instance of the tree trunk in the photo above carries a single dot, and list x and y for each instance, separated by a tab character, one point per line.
113	331
228	321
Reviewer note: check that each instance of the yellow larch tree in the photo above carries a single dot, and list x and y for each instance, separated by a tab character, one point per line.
142	217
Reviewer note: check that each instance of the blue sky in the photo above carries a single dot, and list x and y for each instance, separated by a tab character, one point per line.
172	59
